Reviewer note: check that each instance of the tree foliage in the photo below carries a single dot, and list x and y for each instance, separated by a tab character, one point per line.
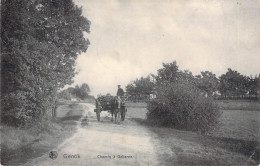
182	106
64	94
180	103
40	41
141	86
233	84
81	92
170	73
207	82
253	85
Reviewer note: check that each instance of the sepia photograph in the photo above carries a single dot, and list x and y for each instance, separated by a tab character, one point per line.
130	83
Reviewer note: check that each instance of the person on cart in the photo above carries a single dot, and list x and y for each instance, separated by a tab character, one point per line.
120	93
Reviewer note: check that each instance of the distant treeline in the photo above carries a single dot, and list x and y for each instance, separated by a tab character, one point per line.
231	85
184	101
78	93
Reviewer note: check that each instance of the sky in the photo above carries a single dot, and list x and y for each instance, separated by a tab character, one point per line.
130	39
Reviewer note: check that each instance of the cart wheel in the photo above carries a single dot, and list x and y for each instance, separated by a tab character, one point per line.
98	114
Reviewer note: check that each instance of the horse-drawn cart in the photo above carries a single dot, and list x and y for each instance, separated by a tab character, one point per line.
111	104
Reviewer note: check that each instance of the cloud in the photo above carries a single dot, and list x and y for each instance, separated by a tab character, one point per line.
130	39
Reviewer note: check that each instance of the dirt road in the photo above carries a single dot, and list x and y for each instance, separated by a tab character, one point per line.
104	143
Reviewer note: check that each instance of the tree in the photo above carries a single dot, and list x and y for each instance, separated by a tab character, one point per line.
40	41
85	88
170	73
81	92
64	94
253	86
232	84
207	82
140	87
131	89
258	85
223	86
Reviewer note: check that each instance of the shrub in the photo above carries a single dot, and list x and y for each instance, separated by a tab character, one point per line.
182	106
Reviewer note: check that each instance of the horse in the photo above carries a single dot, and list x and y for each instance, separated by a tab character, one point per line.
111	104
116	110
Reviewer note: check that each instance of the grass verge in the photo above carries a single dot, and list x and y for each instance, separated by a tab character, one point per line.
193	149
19	145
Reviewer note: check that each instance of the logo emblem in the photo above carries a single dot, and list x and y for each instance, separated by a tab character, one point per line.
53	155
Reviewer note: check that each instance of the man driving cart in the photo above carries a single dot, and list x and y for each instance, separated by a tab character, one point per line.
121	97
120	93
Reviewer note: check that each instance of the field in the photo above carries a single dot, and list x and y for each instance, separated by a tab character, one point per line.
234	142
239	104
238	124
